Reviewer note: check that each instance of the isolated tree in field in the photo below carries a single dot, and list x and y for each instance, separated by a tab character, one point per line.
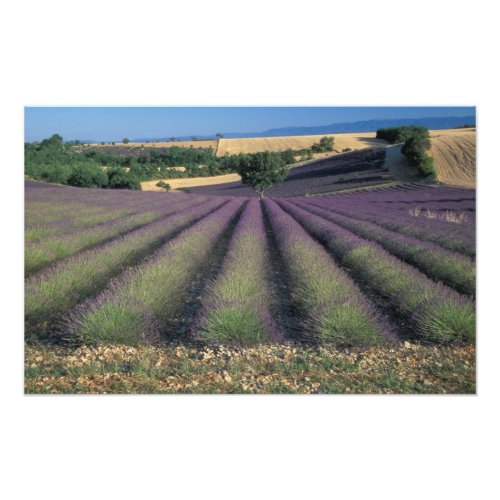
164	185
125	141
219	135
172	139
324	144
262	170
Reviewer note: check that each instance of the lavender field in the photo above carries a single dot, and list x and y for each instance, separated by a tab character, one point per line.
362	269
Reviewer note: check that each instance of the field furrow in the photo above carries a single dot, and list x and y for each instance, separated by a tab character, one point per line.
440	232
138	306
51	293
351	269
42	254
333	309
455	270
39	232
438	313
39	255
238	306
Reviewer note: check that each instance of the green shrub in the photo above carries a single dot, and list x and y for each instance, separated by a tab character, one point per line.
164	185
324	144
288	156
56	173
120	179
87	175
427	167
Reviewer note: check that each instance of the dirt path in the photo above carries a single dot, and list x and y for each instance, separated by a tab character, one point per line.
398	165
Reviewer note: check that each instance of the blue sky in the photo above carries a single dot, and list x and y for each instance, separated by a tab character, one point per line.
115	123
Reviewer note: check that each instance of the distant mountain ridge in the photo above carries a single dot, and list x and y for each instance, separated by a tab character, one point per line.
432	123
371	126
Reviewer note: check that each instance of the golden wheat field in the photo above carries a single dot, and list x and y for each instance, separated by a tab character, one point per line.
455	158
451	131
191	182
256	144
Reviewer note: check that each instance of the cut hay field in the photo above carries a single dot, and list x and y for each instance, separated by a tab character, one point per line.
182	183
455	158
256	144
162	292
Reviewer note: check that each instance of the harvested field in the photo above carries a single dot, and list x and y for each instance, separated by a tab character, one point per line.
256	144
191	182
455	158
451	131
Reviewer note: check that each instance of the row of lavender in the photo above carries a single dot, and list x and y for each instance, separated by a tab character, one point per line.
433	214
349	281
432	310
65	233
88	241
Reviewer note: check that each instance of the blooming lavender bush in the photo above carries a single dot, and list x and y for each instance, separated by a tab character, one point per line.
52	292
350	269
138	306
332	307
237	307
455	270
413	295
369	207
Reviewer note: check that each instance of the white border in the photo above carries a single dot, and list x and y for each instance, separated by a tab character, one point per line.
255	53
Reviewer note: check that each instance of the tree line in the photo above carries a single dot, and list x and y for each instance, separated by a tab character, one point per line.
53	160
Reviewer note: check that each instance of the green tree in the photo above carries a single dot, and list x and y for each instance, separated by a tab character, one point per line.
324	144
164	185
262	170
126	141
120	179
55	141
88	175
